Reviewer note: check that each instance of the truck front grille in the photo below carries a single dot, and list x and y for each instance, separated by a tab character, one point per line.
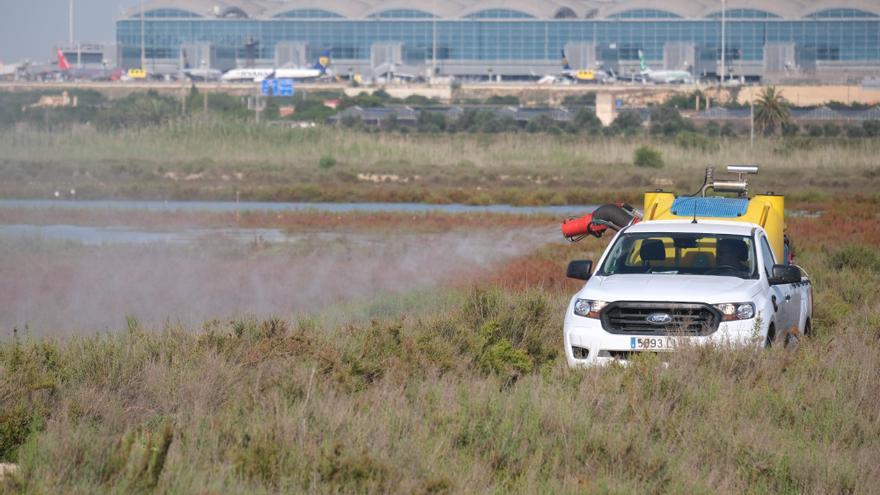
649	318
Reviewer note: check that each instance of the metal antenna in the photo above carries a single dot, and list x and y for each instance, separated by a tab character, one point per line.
70	36
143	45
723	40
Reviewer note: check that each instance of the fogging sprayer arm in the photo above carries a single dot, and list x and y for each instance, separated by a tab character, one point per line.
613	216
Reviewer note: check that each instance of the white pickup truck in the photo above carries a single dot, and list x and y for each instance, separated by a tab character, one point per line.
664	279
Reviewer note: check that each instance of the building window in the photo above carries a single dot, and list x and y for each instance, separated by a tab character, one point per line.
402	14
841	14
645	14
308	14
744	14
565	13
499	14
827	52
168	14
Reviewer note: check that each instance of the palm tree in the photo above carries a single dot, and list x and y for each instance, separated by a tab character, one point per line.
771	111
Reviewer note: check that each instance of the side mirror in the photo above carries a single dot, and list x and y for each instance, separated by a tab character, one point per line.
580	269
785	274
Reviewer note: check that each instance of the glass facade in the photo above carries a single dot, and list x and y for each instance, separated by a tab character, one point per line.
505	35
744	14
645	14
308	14
402	14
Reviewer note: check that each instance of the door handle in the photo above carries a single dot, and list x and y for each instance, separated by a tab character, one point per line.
775	306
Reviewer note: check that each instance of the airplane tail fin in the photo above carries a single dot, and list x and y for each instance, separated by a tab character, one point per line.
63	64
643	66
185	60
565	65
323	61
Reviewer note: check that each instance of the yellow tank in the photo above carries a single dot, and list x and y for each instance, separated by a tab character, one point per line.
768	211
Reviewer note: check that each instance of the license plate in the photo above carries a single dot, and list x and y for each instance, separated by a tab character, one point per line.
652	343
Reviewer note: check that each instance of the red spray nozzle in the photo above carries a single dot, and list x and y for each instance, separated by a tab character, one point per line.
578	227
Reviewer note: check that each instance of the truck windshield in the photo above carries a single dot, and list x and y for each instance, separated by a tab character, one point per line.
673	253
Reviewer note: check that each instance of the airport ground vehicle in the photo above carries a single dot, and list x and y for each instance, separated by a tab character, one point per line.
689	269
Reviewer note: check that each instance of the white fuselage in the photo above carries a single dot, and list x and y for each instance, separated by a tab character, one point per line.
203	74
246	75
258	75
669	76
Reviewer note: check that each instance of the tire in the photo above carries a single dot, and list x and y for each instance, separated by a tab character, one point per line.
771	336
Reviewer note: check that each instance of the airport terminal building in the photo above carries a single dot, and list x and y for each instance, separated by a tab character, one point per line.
828	40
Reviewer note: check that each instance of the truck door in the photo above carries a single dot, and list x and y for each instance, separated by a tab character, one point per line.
797	307
782	295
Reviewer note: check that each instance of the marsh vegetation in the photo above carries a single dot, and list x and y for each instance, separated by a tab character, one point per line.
462	389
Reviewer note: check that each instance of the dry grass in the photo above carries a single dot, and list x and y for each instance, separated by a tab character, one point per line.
214	160
471	398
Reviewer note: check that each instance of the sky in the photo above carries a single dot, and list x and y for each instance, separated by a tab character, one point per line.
30	29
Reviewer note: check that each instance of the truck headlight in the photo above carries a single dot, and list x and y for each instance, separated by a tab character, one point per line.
588	308
736	311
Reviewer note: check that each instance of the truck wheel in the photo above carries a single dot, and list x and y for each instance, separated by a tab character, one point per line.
771	336
808	328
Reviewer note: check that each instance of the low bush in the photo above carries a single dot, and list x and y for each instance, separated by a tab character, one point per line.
327	161
627	123
647	157
856	257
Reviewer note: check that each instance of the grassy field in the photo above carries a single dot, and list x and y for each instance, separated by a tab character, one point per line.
464	391
216	160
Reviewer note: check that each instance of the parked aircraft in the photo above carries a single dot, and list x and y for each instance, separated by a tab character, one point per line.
11	71
201	73
296	73
586	76
67	71
663	76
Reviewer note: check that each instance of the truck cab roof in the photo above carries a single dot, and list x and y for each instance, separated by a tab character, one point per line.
701	227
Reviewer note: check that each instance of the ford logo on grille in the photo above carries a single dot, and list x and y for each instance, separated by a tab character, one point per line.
659	318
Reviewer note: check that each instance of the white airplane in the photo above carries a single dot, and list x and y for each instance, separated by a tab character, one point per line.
582	76
663	76
295	73
199	74
9	71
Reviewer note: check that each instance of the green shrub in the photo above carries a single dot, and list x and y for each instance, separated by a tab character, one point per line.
431	122
502	100
831	129
729	130
542	123
327	161
855	132
871	127
668	121
815	130
628	123
856	257
712	129
499	356
694	141
647	157
790	129
587	121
